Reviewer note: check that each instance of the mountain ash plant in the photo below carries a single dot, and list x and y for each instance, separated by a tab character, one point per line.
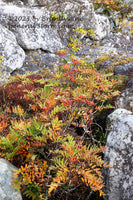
46	129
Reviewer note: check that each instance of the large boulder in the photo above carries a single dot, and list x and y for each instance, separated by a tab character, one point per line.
34	29
119	154
31	27
7	192
79	13
14	55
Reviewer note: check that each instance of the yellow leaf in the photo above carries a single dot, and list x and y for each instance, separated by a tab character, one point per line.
124	23
130	23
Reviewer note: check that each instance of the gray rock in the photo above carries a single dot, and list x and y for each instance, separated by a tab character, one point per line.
79	13
38	60
119	154
34	29
114	115
119	41
119	50
1	2
124	69
7	192
31	27
90	50
115	46
126	98
13	54
25	2
130	82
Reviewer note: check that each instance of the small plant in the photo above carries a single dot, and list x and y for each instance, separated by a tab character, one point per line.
91	33
74	44
62	16
128	28
61	52
80	30
54	16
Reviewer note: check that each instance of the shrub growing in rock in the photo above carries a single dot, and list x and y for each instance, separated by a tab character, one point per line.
45	126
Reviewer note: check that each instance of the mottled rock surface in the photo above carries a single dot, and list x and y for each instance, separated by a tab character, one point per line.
119	154
126	98
121	57
14	55
103	53
30	22
38	60
114	115
31	27
124	69
79	13
7	192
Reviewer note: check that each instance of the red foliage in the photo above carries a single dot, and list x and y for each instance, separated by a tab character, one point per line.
61	53
66	67
73	159
70	76
14	92
68	102
76	62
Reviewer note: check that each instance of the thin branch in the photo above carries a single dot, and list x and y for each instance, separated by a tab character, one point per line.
87	198
70	121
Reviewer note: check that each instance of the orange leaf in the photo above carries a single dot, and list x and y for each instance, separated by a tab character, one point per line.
76	62
66	67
